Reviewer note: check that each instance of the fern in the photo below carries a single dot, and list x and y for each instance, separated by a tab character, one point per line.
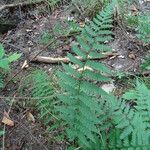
144	28
79	106
144	35
92	118
135	125
42	90
146	64
128	127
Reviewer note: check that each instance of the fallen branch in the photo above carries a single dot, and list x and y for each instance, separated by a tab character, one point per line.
20	4
52	60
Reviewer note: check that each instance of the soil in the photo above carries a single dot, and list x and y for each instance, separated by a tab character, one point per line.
25	38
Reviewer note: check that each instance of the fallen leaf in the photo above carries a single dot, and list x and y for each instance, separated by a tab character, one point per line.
30	117
67	47
25	65
133	8
7	120
108	87
82	24
132	56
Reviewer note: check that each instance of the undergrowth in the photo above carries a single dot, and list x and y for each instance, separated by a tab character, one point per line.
144	35
89	7
144	28
91	118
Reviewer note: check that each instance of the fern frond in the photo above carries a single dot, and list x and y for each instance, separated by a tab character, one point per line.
80	108
134	123
126	130
42	87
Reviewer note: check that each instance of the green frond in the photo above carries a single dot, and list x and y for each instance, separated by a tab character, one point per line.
101	47
95	55
144	28
98	66
78	52
133	123
75	60
96	76
80	107
43	89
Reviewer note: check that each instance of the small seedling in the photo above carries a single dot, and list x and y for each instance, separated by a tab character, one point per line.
5	62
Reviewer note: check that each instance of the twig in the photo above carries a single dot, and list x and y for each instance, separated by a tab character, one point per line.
3	146
58	60
27	98
20	4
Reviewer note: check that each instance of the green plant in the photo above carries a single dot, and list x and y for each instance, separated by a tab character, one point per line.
71	28
52	4
141	120
144	35
146	64
5	62
94	119
79	106
89	7
128	125
125	15
1	133
46	37
42	89
144	28
132	20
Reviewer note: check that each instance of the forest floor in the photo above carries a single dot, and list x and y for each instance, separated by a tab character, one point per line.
34	30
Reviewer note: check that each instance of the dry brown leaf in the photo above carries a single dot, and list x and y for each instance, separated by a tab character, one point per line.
25	65
132	56
7	120
133	8
30	117
82	24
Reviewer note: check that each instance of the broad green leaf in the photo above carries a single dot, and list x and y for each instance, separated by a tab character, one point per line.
4	64
1	133
14	57
148	67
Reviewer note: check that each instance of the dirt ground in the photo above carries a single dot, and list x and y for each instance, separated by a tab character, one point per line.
25	39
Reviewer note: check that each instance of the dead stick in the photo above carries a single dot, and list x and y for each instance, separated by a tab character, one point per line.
58	60
20	4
